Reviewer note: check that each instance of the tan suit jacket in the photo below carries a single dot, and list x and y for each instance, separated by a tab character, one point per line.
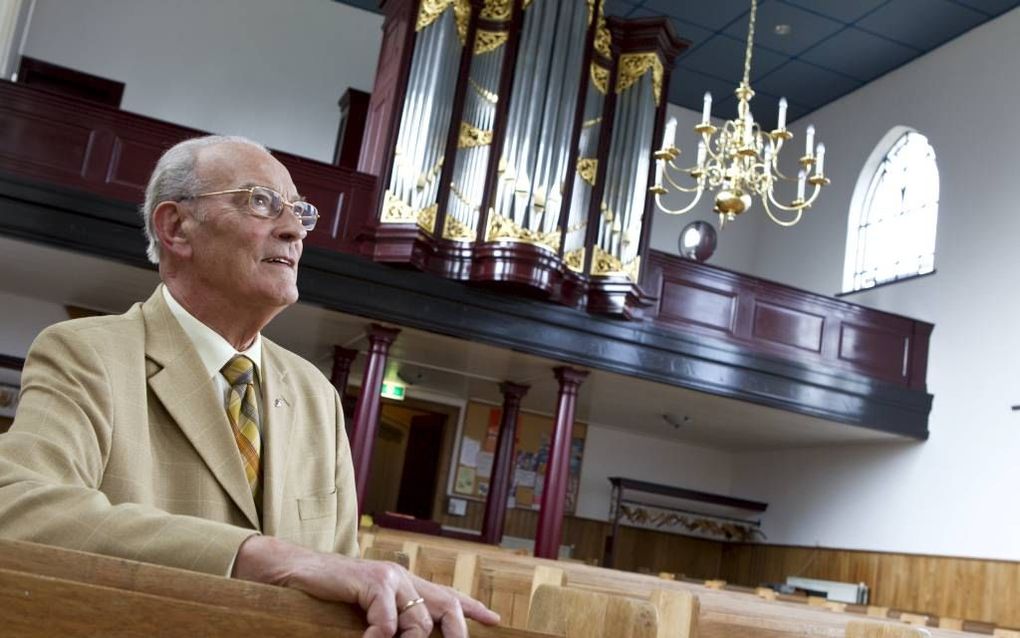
121	446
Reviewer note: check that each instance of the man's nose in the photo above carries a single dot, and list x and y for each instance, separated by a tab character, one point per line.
289	226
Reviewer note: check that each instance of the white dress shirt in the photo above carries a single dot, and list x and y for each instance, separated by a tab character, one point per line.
214	350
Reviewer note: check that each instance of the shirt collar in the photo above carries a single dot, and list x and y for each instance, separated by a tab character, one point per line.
213	349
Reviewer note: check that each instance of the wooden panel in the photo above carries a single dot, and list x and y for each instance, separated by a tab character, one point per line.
685	303
132	163
787	326
880	351
782	321
57	146
980	590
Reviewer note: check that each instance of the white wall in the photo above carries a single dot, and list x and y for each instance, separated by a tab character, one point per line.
614	452
736	247
266	69
956	493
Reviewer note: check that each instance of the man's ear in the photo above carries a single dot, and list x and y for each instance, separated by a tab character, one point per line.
168	220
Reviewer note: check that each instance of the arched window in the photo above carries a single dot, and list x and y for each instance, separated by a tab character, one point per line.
894	212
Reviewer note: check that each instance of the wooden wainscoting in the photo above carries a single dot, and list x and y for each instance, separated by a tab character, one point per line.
984	590
980	590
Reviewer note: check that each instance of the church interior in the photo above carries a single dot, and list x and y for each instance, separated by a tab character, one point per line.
602	281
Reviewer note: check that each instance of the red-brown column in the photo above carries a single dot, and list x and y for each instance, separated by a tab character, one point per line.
366	412
550	517
343	358
502	464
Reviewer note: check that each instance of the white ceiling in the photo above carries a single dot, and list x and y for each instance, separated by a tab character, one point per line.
440	365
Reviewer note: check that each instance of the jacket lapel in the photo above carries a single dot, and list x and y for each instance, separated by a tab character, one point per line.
279	398
191	399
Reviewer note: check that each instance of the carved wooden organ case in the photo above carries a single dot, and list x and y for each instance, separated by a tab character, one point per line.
522	137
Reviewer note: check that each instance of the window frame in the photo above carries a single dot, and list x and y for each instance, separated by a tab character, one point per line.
866	182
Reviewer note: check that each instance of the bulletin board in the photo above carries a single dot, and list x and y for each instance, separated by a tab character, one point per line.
476	446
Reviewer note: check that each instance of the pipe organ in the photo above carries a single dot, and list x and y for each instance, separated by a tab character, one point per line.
522	134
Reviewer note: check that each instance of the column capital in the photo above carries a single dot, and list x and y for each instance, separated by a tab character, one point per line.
511	390
568	376
378	333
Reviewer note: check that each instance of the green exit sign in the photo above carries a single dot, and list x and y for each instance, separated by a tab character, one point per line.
393	391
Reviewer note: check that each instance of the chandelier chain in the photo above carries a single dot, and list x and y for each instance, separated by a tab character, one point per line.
750	43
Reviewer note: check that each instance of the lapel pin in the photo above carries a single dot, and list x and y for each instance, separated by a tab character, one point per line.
277	402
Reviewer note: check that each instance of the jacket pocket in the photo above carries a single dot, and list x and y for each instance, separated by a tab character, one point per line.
312	507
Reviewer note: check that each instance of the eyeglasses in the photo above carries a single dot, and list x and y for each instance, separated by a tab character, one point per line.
269	204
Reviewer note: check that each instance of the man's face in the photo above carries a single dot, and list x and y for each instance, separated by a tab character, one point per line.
248	261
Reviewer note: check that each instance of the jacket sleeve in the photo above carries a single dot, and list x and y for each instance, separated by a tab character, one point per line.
53	459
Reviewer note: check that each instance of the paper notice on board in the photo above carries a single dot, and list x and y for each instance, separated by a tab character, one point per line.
469	451
465	480
524	478
484	464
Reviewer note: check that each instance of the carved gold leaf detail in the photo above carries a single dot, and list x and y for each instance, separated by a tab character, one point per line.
603	39
575	259
604	264
496	10
600	78
588	168
429	12
457	230
486	41
635	65
427	219
396	210
502	228
462	14
472	136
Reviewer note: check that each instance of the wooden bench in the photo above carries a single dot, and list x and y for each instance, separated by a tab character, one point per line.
725	611
46	591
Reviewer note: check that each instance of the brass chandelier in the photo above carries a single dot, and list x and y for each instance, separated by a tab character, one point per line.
740	160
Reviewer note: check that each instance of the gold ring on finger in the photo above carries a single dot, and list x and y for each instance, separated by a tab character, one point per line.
410	603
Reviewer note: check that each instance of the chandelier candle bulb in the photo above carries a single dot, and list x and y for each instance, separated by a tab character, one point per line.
781	125
706	110
809	140
820	160
801	181
669	135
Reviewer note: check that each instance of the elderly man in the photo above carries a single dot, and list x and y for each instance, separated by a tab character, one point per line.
176	434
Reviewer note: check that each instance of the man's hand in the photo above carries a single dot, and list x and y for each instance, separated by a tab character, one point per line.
384	590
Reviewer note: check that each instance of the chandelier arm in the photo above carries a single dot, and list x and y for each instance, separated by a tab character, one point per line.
768	211
682	189
679	211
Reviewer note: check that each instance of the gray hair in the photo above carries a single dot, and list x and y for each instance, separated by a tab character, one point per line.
175	179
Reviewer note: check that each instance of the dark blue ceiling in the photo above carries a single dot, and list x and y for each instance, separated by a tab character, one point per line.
832	48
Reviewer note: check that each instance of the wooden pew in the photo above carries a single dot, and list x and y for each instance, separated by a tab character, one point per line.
864	629
579	614
724	613
47	591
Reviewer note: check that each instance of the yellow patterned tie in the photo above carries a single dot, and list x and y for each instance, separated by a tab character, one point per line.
243	413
